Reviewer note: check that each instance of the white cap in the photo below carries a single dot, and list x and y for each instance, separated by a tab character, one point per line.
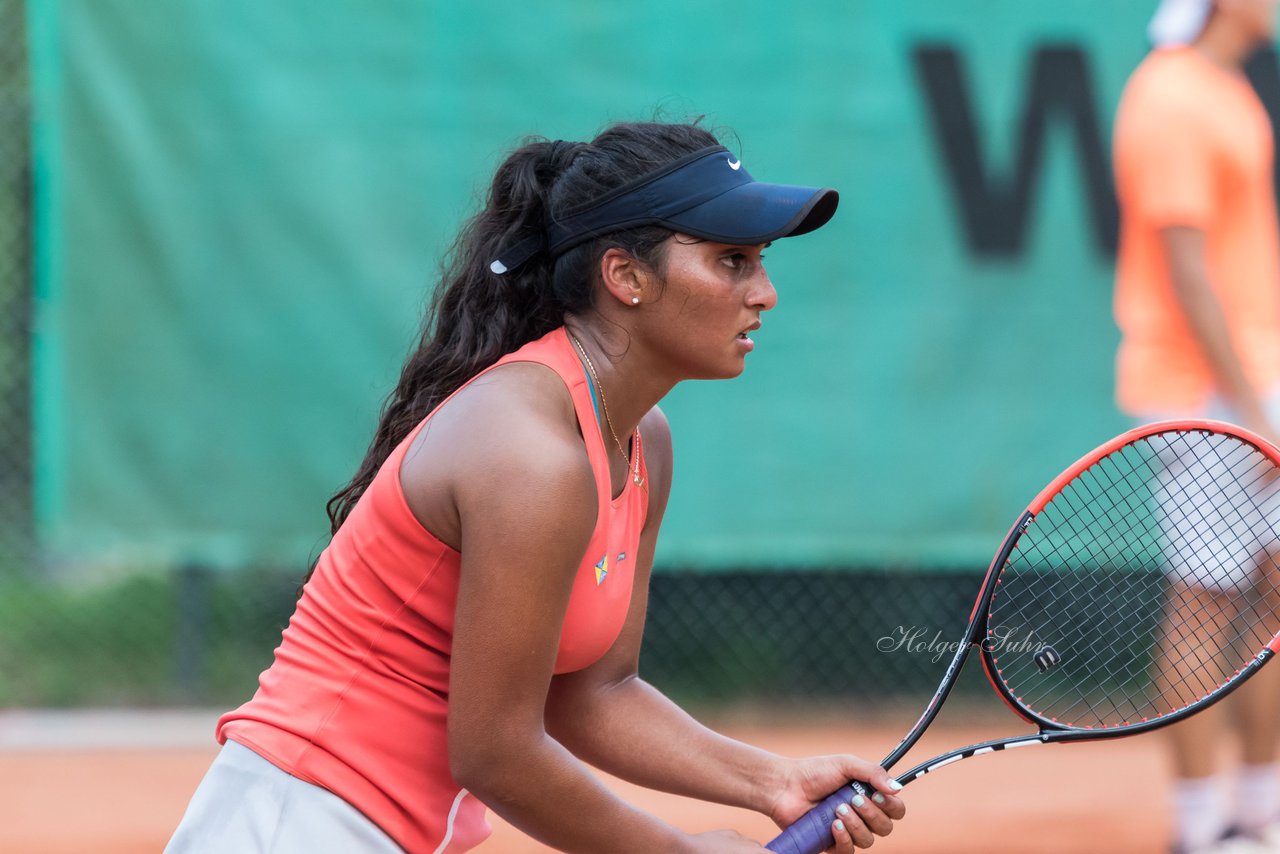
1179	22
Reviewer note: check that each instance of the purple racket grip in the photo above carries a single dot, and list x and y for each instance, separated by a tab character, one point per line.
811	834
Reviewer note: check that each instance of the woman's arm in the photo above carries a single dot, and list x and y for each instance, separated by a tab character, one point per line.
614	720
527	504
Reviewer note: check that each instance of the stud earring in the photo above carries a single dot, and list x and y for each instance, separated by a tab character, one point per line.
635	300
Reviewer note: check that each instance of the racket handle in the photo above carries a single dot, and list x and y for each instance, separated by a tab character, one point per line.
811	833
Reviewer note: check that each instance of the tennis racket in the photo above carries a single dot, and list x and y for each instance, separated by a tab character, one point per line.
1148	574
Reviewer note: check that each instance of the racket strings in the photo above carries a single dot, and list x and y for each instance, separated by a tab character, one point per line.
1199	469
1106	552
1150	576
1196	540
1212	612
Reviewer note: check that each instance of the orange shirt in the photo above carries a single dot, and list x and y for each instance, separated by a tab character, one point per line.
357	699
1193	147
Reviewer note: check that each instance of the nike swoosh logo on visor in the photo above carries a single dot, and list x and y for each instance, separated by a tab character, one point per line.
735	165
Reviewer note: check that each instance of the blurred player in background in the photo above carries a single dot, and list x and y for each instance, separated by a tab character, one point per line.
471	635
1198	305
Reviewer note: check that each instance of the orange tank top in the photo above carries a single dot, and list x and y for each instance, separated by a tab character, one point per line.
357	698
1193	147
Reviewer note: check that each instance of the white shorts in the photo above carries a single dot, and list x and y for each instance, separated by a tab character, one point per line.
246	805
1204	545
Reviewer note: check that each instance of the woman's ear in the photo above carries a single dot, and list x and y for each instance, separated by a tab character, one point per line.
625	277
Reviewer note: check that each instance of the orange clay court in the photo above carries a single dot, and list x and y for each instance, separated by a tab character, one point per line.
1102	797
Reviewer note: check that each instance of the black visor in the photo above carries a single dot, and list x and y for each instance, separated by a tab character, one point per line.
706	194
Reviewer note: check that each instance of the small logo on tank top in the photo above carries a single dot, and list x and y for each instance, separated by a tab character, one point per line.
602	569
622	556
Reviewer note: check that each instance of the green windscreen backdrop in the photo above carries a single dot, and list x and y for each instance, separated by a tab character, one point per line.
241	206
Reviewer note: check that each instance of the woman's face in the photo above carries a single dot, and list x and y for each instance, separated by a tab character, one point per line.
701	317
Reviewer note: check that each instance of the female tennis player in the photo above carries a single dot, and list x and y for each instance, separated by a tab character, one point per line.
470	637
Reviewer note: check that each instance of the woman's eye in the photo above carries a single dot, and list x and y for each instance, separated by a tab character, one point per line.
741	261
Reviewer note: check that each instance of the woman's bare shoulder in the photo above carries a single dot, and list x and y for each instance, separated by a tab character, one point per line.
512	430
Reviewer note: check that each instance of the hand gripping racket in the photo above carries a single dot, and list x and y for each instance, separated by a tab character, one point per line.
1147	575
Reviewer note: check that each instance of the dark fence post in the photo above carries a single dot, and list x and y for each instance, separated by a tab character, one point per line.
192	587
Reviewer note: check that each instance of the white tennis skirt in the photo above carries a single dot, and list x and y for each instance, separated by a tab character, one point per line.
246	805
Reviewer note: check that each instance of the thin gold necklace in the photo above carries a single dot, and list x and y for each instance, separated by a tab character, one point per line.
604	404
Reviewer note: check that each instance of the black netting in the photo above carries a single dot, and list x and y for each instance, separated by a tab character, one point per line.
195	636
